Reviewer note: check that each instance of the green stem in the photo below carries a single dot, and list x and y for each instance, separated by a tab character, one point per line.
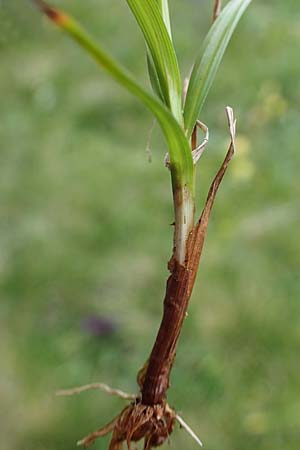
184	209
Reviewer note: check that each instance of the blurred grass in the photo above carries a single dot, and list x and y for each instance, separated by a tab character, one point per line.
84	231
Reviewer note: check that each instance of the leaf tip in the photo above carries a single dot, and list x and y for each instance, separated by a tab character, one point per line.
56	16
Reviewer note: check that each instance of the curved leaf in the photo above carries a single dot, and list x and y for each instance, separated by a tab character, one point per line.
206	66
180	155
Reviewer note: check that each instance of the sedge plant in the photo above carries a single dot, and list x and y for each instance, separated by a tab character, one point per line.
176	105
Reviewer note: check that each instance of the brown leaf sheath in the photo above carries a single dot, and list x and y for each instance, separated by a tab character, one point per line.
178	292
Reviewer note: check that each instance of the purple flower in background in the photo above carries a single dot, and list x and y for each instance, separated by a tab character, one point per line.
98	326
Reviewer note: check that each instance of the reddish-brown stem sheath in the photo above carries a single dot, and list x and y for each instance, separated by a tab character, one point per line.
178	292
162	356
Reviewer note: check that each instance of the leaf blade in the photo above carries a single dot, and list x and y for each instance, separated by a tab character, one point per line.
149	18
154	80
153	77
206	66
182	169
164	8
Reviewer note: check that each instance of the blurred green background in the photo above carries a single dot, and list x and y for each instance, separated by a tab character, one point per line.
85	232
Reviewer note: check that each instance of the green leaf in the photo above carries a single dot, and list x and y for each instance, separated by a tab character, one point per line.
151	23
153	77
164	9
154	80
181	164
206	66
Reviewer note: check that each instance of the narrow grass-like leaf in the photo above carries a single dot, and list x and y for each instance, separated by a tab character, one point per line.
206	66
164	8
179	150
151	23
153	77
154	80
